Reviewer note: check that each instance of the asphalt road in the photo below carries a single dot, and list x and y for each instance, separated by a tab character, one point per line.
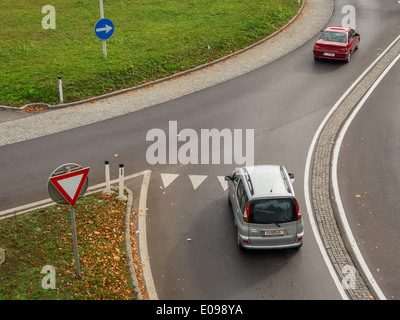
284	102
369	176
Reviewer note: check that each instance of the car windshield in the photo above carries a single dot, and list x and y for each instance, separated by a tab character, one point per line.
273	211
334	36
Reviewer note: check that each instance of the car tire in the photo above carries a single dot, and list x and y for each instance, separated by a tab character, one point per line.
348	58
316	58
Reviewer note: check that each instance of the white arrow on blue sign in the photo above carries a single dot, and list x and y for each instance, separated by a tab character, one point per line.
104	29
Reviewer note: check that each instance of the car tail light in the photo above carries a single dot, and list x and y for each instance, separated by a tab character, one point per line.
297	211
316	47
247	213
343	50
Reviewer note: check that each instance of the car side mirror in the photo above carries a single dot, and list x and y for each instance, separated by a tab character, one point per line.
291	176
228	178
357	35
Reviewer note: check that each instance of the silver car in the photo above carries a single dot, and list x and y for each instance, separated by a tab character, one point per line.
265	209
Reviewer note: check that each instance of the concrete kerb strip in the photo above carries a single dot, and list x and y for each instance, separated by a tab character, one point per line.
132	268
177	75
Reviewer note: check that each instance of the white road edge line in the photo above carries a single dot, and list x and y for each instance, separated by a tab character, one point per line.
342	213
307	174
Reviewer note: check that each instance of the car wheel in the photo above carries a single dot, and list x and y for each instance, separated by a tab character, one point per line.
348	58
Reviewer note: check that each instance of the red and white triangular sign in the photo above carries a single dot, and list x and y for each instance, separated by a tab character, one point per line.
70	184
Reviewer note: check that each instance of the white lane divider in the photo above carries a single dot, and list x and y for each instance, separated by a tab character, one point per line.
196	180
223	183
167	178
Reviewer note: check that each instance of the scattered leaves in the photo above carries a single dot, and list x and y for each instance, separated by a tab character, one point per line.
43	237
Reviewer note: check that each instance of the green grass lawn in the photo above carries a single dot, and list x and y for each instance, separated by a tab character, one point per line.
44	238
152	39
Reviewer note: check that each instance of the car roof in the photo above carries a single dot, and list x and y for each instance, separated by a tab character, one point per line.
338	29
269	180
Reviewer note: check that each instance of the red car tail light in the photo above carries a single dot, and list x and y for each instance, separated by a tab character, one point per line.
316	47
297	211
344	50
247	213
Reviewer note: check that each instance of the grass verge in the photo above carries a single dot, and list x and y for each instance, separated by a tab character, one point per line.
152	39
44	237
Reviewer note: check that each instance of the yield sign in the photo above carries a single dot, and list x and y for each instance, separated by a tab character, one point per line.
70	184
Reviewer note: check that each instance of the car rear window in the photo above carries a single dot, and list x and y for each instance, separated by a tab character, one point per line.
273	211
334	36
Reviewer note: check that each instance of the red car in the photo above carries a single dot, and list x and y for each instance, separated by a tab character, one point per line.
336	43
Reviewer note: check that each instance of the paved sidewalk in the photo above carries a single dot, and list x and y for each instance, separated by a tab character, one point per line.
20	126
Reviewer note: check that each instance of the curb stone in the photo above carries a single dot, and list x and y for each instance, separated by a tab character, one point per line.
129	244
2	256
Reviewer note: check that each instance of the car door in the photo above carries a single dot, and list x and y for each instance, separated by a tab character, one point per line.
242	199
232	188
352	40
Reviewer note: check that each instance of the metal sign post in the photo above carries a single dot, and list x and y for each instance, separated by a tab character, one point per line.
78	270
104	29
104	41
66	185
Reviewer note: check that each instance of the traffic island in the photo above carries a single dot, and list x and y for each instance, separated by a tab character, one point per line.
40	241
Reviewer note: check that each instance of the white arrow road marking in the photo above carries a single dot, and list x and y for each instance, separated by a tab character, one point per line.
196	180
106	29
223	183
167	178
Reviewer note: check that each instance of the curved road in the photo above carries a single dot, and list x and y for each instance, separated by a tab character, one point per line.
284	102
369	178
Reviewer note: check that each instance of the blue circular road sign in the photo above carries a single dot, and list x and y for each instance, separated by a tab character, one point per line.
104	29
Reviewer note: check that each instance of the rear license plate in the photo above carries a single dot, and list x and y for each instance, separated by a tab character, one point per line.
272	233
328	54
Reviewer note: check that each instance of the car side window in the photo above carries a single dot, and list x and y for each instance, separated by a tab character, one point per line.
351	35
242	196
